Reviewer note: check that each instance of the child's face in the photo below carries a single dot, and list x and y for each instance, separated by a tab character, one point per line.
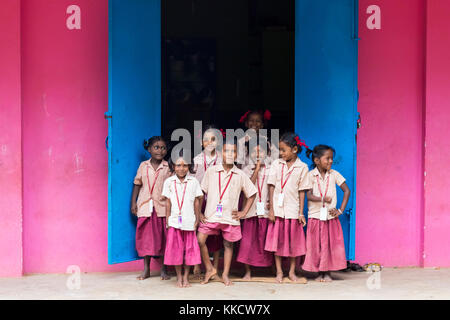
158	150
286	152
258	153
181	168
229	153
209	141
254	121
325	161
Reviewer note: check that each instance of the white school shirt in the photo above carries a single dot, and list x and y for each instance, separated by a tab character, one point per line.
193	190
335	179
262	175
199	164
297	182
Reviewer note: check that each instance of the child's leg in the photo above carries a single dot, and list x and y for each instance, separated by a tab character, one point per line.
186	283
279	267
210	270
292	274
216	257
197	269
164	275
146	273
248	273
228	255
179	277
327	277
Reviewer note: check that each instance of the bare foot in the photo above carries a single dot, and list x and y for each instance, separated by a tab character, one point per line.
197	270
279	277
247	276
293	277
164	275
144	275
319	278
180	283
327	278
226	280
209	275
186	283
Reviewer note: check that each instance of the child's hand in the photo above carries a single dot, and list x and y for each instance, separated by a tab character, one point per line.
302	220
202	218
334	212
271	215
328	199
196	224
134	208
238	215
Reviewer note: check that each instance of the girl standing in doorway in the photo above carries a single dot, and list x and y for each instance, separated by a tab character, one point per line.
325	249
149	206
287	186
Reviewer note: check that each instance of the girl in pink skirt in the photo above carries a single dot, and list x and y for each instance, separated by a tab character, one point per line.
287	185
209	157
254	226
184	197
149	206
325	250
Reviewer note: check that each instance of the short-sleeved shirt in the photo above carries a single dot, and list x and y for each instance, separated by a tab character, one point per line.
193	190
202	162
335	179
295	180
230	201
263	176
145	177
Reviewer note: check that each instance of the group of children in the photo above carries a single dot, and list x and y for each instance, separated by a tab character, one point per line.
188	209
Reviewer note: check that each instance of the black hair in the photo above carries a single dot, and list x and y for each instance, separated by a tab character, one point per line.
258	112
290	138
190	162
150	142
318	152
258	141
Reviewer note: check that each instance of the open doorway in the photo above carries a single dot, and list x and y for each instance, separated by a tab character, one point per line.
222	58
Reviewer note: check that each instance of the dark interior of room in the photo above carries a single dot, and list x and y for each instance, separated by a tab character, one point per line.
222	58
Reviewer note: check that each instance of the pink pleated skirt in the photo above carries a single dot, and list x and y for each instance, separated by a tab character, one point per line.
151	235
286	238
251	247
325	249
181	248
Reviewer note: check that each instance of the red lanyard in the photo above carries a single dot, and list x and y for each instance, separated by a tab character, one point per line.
287	177
262	184
220	186
154	181
176	192
204	160
320	189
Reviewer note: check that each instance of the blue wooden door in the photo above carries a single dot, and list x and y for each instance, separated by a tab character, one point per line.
134	110
326	89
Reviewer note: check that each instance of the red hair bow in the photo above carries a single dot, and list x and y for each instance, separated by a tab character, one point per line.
267	115
223	133
301	143
244	117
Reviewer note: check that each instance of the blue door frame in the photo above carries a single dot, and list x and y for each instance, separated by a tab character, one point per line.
325	99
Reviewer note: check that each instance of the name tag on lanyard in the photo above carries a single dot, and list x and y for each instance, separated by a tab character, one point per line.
180	221
150	206
281	200
219	210
323	214
283	184
260	208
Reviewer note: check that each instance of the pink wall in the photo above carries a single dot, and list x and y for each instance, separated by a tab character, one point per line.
10	141
65	78
64	96
390	174
437	207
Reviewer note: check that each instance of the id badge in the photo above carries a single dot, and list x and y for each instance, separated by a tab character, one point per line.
150	206
323	214
281	200
260	208
219	210
180	221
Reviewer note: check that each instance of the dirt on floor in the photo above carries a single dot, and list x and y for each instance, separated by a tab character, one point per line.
390	283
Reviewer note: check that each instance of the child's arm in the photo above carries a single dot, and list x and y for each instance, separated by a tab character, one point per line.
334	212
311	197
271	214
134	195
256	172
301	217
168	211
199	217
237	215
